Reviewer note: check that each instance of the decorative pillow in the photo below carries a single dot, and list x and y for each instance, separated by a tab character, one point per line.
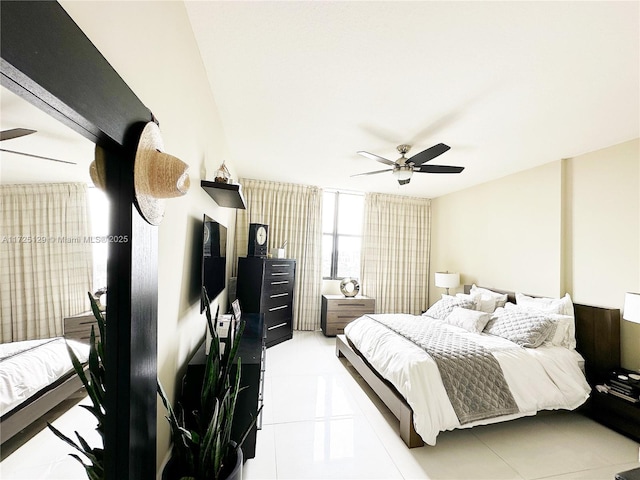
563	335
562	306
500	298
562	327
522	326
483	303
445	306
471	320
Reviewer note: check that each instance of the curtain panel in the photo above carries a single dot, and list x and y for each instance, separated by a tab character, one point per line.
45	258
396	242
293	213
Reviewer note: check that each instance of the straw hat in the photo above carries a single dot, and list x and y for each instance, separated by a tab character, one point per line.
157	175
97	169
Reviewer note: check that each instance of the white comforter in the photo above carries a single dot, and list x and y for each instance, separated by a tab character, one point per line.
28	367
544	378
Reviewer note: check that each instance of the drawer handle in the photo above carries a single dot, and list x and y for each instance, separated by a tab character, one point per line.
277	326
281	282
352	305
280	265
276	295
279	274
278	308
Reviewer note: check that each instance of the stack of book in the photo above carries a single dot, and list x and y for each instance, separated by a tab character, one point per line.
623	386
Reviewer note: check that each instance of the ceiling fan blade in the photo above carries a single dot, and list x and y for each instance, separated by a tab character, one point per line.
37	156
15	133
376	158
373	173
429	154
438	169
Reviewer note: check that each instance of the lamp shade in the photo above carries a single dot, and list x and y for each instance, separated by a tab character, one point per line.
447	280
632	307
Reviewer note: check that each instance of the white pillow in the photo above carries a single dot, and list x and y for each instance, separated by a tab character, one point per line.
562	306
564	335
526	327
481	303
500	298
445	306
563	331
471	320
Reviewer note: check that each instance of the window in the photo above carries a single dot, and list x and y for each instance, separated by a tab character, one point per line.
342	218
99	212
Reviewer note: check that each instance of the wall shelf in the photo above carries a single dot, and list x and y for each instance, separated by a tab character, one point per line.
225	194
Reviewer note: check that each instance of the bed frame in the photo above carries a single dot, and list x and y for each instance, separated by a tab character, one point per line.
35	407
597	337
21	417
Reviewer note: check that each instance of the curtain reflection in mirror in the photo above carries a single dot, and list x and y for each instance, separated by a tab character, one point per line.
46	258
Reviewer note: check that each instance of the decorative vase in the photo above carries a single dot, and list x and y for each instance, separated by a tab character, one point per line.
349	287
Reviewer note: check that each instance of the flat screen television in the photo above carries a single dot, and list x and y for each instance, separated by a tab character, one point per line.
214	258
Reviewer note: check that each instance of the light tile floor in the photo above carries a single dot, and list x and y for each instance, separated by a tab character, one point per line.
43	455
321	422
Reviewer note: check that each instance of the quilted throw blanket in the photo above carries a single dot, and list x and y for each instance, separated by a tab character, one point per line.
472	377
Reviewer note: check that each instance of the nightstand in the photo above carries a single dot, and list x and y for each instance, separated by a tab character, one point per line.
616	413
338	311
78	327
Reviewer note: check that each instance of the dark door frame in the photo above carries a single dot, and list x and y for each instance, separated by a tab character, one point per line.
49	61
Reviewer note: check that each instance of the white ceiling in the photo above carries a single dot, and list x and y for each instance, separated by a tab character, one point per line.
302	86
52	139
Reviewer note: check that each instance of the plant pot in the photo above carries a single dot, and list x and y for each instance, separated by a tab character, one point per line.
174	471
236	473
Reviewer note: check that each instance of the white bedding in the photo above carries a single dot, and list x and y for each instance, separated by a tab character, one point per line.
543	378
28	367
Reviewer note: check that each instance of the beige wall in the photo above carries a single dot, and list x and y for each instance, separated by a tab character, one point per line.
503	233
602	209
150	44
568	226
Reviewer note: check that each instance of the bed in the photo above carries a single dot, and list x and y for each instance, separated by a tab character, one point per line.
35	376
429	393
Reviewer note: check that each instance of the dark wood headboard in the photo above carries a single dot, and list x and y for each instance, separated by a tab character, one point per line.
597	336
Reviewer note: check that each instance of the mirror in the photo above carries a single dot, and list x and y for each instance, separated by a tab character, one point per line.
35	163
53	153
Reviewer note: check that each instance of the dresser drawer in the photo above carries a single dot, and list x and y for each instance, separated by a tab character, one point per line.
78	327
279	269
276	299
275	286
278	316
279	332
342	317
354	307
338	311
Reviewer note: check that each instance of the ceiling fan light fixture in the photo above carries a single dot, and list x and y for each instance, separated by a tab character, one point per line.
403	173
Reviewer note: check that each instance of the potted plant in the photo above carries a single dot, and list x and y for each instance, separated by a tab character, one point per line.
94	383
202	447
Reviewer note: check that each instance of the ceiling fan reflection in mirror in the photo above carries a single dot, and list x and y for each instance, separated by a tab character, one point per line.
21	132
404	168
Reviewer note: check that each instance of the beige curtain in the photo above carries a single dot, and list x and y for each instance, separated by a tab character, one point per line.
45	258
293	213
396	242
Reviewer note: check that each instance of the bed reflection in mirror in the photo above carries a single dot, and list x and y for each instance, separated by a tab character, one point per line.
53	252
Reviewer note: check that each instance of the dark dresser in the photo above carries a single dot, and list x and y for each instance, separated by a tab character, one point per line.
251	352
265	285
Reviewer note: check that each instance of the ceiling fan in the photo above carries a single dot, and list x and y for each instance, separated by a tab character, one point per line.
404	167
21	132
